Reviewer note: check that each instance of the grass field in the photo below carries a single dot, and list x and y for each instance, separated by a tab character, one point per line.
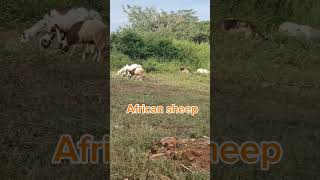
43	95
267	92
133	134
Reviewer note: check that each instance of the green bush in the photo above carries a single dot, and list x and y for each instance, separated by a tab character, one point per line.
118	60
193	55
129	43
144	46
155	47
160	47
151	65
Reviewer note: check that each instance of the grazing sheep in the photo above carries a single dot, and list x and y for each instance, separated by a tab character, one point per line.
123	70
234	26
299	31
45	41
138	72
84	32
203	71
65	18
133	66
185	70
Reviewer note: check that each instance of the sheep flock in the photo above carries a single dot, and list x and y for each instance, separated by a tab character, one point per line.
72	27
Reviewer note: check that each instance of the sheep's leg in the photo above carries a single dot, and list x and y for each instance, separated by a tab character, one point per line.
84	52
83	56
95	55
89	49
71	52
99	56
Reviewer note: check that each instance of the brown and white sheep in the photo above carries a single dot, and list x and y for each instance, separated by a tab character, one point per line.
138	72
65	18
123	70
84	32
235	26
185	70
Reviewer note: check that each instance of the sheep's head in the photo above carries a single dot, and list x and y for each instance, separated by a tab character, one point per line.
24	37
28	34
45	41
126	73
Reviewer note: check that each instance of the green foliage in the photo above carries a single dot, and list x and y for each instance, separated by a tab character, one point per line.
160	47
129	43
32	10
193	55
268	14
183	24
143	46
156	51
152	65
119	59
189	55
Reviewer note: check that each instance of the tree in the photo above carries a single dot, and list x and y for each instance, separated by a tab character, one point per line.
183	24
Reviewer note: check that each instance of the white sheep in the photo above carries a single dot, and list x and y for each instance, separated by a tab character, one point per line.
299	31
123	70
203	71
65	18
84	32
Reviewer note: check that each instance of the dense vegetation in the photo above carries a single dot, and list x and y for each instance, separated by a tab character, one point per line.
161	41
20	11
265	88
269	13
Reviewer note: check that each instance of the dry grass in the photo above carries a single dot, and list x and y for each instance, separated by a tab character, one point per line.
268	93
133	134
43	96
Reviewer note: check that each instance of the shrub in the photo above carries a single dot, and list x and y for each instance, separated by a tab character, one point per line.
144	46
129	43
194	55
159	53
118	59
160	47
151	65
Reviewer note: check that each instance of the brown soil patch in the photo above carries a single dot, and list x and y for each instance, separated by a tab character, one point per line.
193	153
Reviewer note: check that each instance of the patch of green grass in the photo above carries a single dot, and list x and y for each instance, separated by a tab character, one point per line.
133	134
